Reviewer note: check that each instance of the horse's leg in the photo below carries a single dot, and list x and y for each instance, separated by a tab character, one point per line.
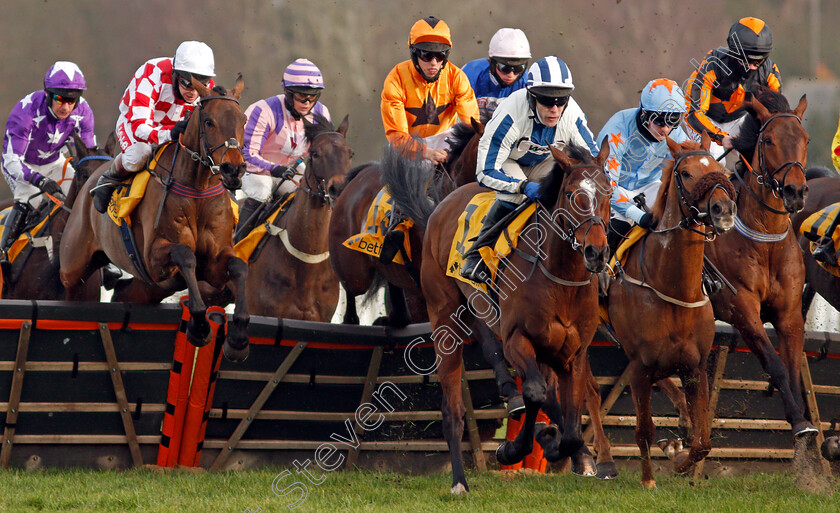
398	315
572	385
453	409
198	329
491	346
350	314
696	384
228	265
640	386
790	328
521	353
749	325
605	466
678	400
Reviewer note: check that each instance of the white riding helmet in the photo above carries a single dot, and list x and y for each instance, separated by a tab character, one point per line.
509	43
550	76
194	57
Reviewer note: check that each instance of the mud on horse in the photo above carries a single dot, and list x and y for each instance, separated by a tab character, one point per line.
546	313
183	227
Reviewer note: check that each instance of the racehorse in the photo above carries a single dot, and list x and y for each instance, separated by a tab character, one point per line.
546	319
661	281
182	227
35	276
291	277
360	273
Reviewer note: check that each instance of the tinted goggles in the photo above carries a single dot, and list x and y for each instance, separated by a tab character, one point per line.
504	69
305	98
551	101
427	56
63	99
666	119
756	60
186	83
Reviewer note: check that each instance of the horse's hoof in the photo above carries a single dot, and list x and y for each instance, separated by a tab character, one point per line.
606	470
506	454
381	321
236	354
830	449
683	464
516	407
584	466
670	447
649	484
460	489
197	340
804	429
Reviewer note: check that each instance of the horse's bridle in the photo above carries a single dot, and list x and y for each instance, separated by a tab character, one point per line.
207	158
319	190
691	215
593	220
763	177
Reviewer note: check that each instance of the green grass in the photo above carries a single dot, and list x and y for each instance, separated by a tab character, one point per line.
371	492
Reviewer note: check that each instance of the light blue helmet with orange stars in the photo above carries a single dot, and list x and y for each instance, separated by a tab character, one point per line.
663	95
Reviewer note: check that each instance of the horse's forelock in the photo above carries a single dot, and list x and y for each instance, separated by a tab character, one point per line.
709	181
219	90
775	102
321	124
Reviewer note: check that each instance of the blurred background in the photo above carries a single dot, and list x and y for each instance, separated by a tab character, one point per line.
613	48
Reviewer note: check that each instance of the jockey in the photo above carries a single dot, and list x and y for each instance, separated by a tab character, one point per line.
825	251
513	153
38	126
154	110
502	73
638	152
422	99
275	142
717	88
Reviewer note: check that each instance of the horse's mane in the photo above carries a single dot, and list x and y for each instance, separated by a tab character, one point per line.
410	180
321	124
552	183
220	90
748	134
461	135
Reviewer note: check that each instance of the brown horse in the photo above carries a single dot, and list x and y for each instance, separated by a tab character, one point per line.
546	319
35	273
290	277
182	235
661	282
360	273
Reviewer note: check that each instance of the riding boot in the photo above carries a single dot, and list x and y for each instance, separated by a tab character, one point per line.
393	239
246	224
617	233
107	183
12	227
825	251
475	268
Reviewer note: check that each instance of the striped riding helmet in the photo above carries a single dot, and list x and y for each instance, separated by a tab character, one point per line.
302	76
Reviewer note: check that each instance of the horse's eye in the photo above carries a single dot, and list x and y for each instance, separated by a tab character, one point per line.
208	122
768	141
569	195
686	174
314	155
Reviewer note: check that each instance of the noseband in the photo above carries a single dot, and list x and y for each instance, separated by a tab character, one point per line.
765	178
207	158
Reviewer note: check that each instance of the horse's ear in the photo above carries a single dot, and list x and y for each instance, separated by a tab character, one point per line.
705	140
673	146
561	157
760	110
800	109
306	122
345	124
80	147
199	87
236	92
477	126
604	153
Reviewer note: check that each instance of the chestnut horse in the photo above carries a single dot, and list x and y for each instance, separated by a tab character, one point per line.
360	273
182	235
660	282
36	275
546	319
290	277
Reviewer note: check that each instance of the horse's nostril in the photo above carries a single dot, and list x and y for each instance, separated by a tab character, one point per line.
804	191
717	209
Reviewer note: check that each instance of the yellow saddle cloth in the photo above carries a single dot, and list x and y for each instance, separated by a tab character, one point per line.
245	247
26	237
378	219
469	224
814	229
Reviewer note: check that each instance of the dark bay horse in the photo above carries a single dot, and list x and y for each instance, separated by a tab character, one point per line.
36	275
291	276
659	287
182	235
546	319
360	273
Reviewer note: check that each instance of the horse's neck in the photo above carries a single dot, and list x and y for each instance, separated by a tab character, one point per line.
189	172
672	261
308	222
753	213
561	260
72	192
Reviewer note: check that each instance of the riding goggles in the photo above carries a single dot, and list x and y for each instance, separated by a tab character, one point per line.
427	56
186	83
504	69
756	60
666	119
63	99
551	101
305	98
